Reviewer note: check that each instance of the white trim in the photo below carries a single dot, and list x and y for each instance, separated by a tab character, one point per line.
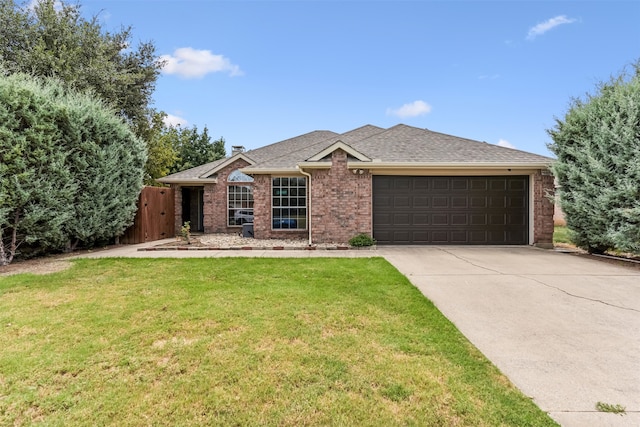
339	145
282	171
453	165
532	207
314	165
188	181
308	175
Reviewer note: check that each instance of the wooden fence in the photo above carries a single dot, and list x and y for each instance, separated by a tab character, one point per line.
155	217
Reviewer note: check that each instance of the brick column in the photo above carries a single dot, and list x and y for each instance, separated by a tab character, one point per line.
543	208
341	205
177	208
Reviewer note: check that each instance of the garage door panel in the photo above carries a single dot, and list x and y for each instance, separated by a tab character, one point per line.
383	219
459	219
459	202
401	202
402	218
421	219
497	184
440	184
459	184
420	202
450	210
402	183
516	202
383	201
478	184
478	237
478	202
517	185
401	236
478	219
440	219
439	202
497	202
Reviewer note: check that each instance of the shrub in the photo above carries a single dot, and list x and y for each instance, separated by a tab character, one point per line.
361	240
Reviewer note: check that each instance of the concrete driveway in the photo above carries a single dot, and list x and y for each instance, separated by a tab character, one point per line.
564	329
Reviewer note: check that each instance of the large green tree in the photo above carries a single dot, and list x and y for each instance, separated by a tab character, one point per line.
70	169
50	38
194	148
598	167
161	145
36	186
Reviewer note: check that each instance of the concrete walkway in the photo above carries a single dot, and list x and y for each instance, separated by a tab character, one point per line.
564	329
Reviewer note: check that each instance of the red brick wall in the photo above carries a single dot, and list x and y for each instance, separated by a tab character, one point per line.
341	202
262	221
177	208
215	201
543	208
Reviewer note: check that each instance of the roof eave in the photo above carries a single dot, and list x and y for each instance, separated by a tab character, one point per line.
317	165
452	165
270	171
188	181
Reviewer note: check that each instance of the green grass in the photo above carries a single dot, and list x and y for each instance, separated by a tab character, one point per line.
611	408
561	235
240	342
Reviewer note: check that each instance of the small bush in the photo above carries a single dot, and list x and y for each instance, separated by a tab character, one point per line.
362	240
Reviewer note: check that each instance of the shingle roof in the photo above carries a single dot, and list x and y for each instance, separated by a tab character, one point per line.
403	143
292	158
398	144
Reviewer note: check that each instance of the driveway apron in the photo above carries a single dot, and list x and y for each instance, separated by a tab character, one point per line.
563	328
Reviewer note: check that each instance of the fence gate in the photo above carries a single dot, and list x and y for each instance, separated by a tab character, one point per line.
155	217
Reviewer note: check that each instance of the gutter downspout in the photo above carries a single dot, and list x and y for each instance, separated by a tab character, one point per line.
309	193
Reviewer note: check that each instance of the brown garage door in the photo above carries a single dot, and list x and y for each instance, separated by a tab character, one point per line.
414	210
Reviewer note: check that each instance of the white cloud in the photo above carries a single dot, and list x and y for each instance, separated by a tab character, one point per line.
31	6
193	63
543	27
505	143
171	120
416	108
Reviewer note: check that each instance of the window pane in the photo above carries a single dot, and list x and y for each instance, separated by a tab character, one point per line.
288	203
240	205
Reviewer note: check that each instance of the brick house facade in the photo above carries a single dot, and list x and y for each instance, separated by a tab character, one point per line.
320	185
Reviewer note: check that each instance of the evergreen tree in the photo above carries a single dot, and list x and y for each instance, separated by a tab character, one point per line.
36	186
108	165
70	169
598	167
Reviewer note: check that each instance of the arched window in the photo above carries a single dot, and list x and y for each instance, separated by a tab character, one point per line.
239	198
237	176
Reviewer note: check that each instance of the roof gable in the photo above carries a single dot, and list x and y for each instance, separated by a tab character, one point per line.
226	162
339	145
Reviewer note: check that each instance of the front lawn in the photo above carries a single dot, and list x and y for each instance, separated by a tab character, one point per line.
240	341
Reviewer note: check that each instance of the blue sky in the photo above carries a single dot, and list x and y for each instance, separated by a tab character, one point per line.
257	72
